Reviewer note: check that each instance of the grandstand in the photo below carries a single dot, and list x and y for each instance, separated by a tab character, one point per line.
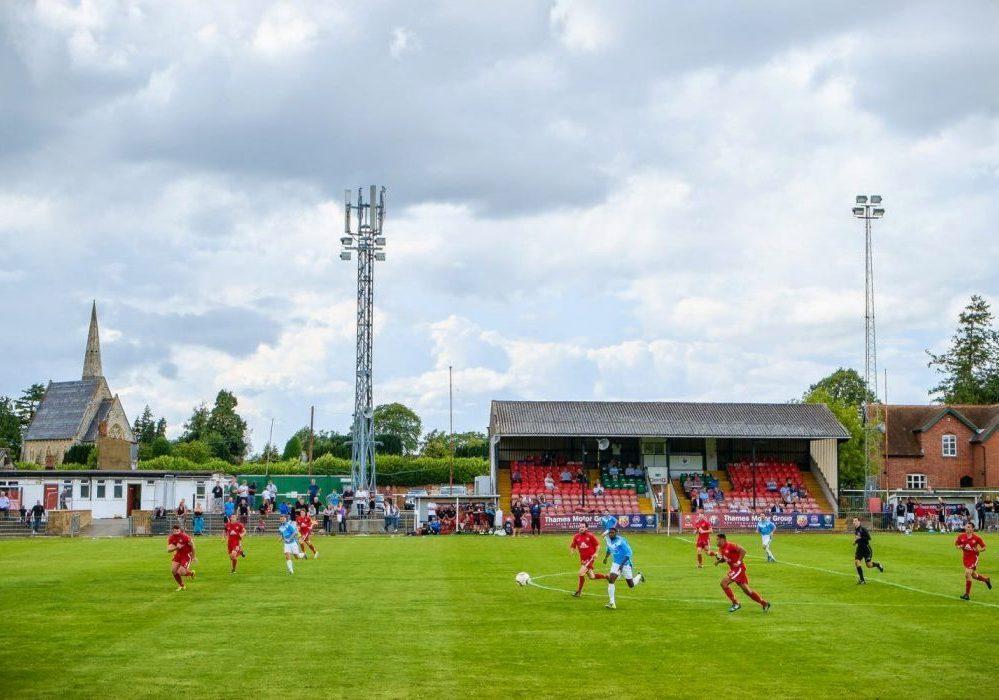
740	449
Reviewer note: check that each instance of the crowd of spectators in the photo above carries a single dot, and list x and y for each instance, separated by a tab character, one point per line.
911	514
446	518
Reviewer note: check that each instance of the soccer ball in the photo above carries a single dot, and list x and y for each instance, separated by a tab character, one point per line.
523	578
301	555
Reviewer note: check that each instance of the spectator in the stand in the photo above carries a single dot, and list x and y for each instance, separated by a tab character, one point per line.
313	490
980	512
199	519
549	483
229	507
772	486
243	511
243	492
515	477
435	526
584	484
535	517
37	512
217	493
598	489
4	504
284	509
348	498
517	511
629	470
614	469
566	476
785	492
776	509
181	512
23	513
696	502
361	501
251	493
712	482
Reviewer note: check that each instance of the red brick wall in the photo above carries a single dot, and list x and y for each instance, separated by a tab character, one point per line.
990	457
943	472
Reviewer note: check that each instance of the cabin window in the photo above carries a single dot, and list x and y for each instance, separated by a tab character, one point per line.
949	445
915	481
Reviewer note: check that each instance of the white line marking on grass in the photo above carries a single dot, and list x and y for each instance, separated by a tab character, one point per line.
720	600
875	580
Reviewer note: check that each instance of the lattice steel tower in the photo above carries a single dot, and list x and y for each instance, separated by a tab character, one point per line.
365	238
869	208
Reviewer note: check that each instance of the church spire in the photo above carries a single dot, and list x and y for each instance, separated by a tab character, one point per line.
92	357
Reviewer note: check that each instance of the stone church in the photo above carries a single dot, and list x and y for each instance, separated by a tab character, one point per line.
81	412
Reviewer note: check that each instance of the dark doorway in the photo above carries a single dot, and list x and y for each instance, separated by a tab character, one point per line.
967	481
134	498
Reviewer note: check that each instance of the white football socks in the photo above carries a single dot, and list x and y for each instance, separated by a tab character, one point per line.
291	569
610	592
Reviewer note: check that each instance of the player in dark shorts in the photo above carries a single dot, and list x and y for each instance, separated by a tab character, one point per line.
863	553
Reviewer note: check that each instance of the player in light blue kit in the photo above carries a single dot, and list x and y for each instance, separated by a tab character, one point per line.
289	535
765	526
607	521
619	549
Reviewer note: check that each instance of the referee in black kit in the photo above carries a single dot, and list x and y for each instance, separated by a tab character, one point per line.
863	554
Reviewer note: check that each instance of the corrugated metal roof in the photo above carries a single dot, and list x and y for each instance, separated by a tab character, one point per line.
664	419
61	412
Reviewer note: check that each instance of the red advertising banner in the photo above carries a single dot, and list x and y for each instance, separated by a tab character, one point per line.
784	521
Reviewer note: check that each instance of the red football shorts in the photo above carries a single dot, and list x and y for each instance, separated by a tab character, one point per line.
738	575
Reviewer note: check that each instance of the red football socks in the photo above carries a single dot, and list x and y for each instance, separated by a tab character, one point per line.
730	594
756	596
967	587
178	579
580	587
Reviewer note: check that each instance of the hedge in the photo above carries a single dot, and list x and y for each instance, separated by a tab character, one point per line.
393	470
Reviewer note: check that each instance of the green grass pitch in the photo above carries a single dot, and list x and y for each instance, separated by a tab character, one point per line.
418	617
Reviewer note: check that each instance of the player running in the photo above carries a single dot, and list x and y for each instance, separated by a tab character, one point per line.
703	545
862	541
182	547
734	555
607	521
620	550
289	535
234	532
971	545
766	527
305	524
587	545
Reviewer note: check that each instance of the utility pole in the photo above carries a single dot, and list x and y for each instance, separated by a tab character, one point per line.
869	208
312	434
270	446
450	408
363	234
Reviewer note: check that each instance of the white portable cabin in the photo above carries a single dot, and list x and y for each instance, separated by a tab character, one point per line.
106	494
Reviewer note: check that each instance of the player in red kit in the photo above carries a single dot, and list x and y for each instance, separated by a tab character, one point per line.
733	555
971	545
182	547
234	533
305	525
703	528
587	545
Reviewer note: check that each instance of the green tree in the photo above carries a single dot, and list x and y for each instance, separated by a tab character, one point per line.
144	427
195	451
268	454
10	428
78	454
292	448
437	443
396	419
26	405
388	444
851	452
197	425
160	446
845	386
969	369
161	426
226	429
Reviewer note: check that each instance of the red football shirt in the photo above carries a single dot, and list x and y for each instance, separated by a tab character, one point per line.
970	545
703	527
732	554
183	543
234	531
304	523
586	544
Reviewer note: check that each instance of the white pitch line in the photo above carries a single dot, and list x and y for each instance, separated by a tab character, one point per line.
875	580
718	601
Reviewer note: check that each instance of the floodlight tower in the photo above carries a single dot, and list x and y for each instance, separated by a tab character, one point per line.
869	208
366	239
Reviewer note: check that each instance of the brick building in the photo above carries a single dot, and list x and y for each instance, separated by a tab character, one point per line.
942	446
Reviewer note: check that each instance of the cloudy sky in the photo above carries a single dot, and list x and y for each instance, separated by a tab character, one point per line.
586	200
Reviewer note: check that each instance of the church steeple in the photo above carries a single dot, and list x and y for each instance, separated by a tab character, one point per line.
92	357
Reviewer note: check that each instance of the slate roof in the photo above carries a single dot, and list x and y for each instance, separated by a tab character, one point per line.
664	419
102	412
61	412
906	422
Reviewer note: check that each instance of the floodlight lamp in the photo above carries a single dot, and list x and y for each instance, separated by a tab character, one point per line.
345	255
380	240
879	212
861	199
875	199
380	257
858	211
347	240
